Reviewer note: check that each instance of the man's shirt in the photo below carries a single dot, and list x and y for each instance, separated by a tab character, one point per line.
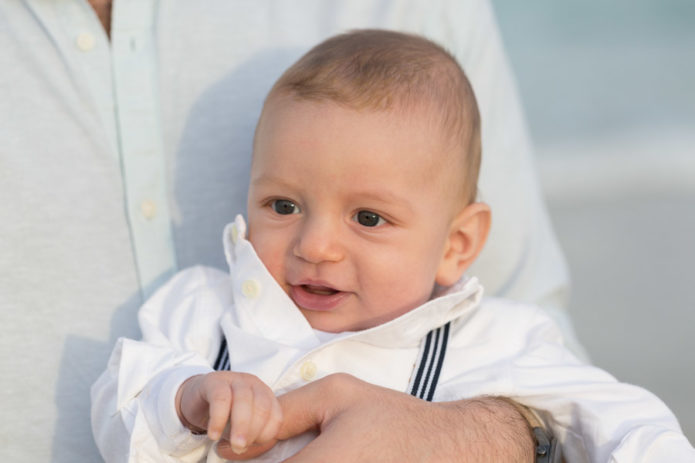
121	160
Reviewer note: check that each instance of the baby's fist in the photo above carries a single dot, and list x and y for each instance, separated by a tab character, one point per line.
208	402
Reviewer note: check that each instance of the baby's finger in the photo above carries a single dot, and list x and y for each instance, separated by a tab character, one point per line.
262	407
219	398
272	424
242	408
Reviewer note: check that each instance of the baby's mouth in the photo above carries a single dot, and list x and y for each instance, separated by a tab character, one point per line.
317	297
319	290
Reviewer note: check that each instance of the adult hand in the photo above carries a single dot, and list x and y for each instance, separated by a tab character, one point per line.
358	421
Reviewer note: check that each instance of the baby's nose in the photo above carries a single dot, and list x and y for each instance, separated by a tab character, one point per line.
319	241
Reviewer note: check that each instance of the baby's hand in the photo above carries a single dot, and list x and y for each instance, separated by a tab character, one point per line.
209	402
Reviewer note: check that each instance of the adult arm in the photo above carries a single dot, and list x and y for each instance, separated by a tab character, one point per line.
358	421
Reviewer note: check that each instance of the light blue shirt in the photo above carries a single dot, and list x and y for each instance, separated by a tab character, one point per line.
121	160
135	92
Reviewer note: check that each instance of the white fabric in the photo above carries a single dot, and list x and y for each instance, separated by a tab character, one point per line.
164	111
496	348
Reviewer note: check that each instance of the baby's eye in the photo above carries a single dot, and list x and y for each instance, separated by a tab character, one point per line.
369	219
284	207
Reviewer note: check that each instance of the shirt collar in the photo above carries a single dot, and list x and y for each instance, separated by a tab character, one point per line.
263	307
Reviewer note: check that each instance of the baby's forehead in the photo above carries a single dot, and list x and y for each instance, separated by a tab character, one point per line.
420	119
422	114
436	157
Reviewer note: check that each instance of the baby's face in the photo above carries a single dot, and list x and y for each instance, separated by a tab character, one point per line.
347	211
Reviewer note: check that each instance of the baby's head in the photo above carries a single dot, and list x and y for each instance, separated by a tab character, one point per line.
363	179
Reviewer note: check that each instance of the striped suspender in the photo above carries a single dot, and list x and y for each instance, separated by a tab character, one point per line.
430	363
428	367
222	362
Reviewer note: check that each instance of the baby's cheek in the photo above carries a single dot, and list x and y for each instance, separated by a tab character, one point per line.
273	261
406	293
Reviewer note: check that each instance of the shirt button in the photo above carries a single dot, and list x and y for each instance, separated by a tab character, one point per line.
250	288
85	41
234	234
148	209
308	370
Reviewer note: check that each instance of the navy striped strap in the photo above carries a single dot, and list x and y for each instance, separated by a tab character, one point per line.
428	367
222	361
430	363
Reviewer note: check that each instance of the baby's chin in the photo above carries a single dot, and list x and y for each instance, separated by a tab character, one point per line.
328	323
338	323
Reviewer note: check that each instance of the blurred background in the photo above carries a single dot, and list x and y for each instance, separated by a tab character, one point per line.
609	92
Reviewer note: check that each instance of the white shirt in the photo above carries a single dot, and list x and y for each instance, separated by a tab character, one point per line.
496	347
121	160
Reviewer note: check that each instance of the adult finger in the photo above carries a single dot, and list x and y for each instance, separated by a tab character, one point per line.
312	453
333	448
302	410
224	450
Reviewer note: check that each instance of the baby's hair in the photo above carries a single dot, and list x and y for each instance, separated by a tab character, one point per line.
386	70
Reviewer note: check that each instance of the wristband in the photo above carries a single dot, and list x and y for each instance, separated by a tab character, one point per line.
547	448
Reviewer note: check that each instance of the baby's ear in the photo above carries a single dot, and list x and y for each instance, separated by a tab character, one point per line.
467	235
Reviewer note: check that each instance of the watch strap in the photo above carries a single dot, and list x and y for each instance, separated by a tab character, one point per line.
547	447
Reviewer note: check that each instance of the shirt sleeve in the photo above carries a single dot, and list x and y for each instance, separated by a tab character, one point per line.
595	417
133	414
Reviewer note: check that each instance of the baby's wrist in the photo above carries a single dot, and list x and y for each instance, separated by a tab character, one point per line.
195	430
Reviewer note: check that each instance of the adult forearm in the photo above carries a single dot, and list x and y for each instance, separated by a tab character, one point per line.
488	429
358	421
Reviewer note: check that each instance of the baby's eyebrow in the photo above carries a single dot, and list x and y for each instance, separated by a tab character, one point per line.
273	180
384	196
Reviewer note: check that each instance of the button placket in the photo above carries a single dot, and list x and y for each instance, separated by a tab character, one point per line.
133	45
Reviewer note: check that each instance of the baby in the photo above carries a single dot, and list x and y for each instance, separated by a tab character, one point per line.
362	219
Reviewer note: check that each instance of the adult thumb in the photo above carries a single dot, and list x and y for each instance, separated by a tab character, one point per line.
303	409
